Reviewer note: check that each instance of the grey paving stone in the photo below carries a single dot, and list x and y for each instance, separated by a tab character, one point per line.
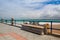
30	36
2	38
7	37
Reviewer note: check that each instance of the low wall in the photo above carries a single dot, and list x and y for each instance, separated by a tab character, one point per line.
31	29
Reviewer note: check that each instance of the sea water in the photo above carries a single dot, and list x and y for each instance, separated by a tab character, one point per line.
17	22
21	22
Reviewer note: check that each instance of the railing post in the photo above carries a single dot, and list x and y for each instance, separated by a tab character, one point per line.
2	20
12	21
6	21
51	27
15	22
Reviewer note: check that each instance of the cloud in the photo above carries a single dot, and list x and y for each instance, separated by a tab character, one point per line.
33	4
51	12
35	9
38	4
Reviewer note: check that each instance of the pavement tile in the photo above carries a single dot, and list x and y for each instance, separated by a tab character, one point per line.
11	36
18	37
8	37
16	30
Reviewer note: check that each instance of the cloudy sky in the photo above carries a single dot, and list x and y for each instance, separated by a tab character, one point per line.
35	9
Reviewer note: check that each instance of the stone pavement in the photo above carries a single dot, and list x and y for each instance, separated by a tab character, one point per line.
8	32
7	35
11	36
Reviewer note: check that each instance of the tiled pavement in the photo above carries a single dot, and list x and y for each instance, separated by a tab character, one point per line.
7	37
11	36
7	33
15	33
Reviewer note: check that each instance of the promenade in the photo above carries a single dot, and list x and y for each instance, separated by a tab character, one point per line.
8	32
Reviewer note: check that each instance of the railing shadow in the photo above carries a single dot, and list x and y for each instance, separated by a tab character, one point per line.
12	25
17	26
55	35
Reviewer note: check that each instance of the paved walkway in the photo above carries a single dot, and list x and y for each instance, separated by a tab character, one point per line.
15	33
11	36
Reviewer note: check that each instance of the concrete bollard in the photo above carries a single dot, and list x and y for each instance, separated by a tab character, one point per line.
12	21
46	29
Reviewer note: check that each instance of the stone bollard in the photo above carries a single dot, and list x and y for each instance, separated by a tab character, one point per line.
46	29
12	21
